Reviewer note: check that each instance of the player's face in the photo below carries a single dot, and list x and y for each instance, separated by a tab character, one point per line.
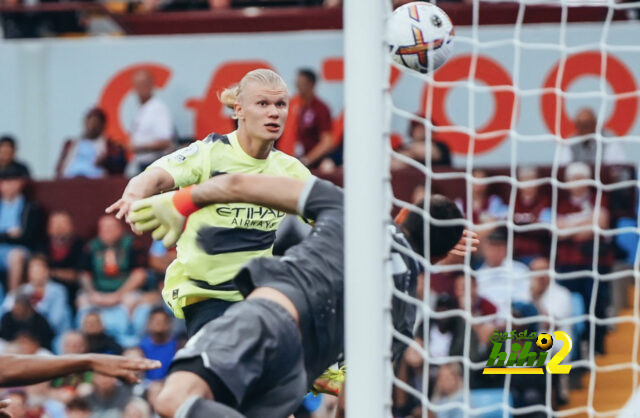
263	110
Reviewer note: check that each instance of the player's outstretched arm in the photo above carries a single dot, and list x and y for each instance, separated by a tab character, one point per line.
275	192
18	370
166	214
151	181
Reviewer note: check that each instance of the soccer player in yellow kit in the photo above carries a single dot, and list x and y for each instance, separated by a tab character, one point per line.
219	239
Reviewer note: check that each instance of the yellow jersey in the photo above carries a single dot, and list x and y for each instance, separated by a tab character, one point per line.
219	239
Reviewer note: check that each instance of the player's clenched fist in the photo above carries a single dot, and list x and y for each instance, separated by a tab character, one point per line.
164	214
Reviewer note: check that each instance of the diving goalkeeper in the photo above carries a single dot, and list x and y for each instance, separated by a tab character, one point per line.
261	356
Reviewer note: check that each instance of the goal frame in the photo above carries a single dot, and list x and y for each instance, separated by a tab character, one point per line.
366	180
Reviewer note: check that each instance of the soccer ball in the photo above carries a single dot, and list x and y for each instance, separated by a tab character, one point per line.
420	36
544	342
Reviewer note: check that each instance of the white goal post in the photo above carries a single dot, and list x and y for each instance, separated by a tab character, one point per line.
366	180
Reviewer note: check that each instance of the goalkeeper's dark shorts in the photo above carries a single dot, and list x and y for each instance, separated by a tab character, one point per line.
251	357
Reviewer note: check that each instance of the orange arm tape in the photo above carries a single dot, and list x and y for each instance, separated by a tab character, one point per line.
183	202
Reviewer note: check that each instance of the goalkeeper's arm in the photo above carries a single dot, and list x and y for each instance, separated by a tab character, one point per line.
276	192
166	214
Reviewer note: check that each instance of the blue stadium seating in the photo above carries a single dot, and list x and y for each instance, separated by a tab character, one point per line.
481	398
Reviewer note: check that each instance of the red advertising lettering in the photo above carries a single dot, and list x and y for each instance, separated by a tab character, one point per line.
618	76
333	70
491	73
210	115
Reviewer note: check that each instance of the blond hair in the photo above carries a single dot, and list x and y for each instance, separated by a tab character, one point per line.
230	96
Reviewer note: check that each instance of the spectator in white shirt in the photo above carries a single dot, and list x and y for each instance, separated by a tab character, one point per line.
553	300
585	151
498	274
152	130
548	297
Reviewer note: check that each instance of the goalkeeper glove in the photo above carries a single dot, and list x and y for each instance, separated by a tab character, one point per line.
165	214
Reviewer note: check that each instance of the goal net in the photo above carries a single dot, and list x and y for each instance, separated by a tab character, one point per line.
532	128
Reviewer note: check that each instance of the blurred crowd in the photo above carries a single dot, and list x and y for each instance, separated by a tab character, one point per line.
60	294
63	294
25	19
66	296
544	253
77	16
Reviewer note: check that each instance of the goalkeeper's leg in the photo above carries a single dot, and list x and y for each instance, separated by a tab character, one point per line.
196	407
250	359
178	387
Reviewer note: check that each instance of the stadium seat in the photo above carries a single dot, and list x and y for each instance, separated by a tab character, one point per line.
629	241
481	398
